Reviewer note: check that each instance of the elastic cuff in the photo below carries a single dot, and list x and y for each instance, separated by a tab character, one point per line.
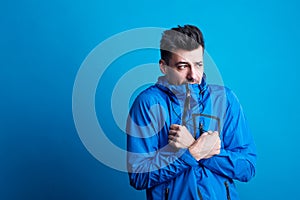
188	158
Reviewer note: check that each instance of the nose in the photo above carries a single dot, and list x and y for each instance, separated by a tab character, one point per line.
191	75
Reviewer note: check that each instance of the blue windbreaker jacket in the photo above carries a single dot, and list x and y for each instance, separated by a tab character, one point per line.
166	173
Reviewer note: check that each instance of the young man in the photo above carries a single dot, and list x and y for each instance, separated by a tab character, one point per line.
187	139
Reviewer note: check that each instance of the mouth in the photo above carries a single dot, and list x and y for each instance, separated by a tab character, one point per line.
192	82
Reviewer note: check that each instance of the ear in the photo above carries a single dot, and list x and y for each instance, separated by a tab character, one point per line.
162	66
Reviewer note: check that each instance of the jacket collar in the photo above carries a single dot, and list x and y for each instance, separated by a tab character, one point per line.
180	90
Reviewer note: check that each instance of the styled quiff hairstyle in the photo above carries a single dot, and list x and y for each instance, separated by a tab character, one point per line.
188	38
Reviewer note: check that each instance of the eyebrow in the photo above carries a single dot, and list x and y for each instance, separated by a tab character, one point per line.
186	63
182	63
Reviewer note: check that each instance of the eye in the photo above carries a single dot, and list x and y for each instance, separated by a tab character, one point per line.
182	66
199	64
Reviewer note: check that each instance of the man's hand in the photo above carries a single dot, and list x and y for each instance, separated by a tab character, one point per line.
180	137
206	146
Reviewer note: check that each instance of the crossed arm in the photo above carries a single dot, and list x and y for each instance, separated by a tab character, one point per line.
206	146
149	166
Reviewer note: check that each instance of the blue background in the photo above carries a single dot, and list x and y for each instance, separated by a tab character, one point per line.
43	43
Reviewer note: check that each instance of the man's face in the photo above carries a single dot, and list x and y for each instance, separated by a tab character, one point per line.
184	67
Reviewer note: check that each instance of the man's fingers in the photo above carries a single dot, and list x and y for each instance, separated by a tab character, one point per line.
172	137
175	126
205	133
213	132
172	132
216	133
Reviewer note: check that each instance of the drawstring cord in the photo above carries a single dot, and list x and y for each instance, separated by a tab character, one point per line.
227	190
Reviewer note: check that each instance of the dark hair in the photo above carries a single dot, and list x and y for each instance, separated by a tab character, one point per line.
188	38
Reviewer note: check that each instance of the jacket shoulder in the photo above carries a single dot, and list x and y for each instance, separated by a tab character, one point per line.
151	95
219	90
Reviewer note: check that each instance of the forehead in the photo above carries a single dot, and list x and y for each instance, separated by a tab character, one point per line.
195	55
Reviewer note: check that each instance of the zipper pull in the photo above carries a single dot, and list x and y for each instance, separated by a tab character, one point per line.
201	128
188	97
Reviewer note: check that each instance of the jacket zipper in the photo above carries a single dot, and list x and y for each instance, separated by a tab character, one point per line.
187	105
227	190
167	194
199	194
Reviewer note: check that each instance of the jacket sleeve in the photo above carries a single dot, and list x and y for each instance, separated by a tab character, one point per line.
237	158
149	162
